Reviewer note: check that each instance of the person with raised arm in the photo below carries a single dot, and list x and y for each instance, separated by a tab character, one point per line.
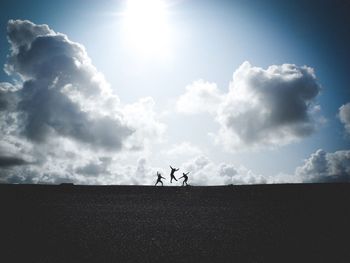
172	172
185	177
159	179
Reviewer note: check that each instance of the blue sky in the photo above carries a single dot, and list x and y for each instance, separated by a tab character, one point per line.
209	40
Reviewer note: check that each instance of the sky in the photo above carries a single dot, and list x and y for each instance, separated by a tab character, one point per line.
234	92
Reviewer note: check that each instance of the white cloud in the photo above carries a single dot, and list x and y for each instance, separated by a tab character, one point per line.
200	96
62	93
326	167
344	116
269	107
59	162
203	171
61	120
148	127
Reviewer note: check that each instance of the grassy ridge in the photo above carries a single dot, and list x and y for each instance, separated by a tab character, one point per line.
259	223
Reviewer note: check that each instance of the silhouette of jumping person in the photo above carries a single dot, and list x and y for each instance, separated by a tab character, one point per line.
159	179
185	177
172	176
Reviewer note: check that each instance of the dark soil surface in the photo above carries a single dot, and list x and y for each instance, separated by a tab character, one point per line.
266	223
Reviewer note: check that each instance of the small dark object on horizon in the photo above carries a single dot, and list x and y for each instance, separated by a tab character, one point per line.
66	184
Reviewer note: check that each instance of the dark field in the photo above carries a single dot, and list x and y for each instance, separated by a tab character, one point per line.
284	223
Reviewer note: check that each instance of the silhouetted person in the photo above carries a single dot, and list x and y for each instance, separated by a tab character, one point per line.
172	176
159	179
185	177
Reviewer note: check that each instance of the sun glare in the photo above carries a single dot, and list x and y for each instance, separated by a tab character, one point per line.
145	26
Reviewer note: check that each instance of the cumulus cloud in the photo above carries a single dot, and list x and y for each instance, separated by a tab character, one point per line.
200	96
263	107
62	93
344	116
94	171
203	171
60	118
326	167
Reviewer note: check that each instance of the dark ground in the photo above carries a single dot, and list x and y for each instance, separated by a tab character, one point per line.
266	223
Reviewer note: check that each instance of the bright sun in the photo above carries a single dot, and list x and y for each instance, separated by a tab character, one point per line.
145	26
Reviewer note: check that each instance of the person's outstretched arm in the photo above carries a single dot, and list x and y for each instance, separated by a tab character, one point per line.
171	167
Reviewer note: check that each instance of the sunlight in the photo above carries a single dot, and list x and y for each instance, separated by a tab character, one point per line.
145	27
